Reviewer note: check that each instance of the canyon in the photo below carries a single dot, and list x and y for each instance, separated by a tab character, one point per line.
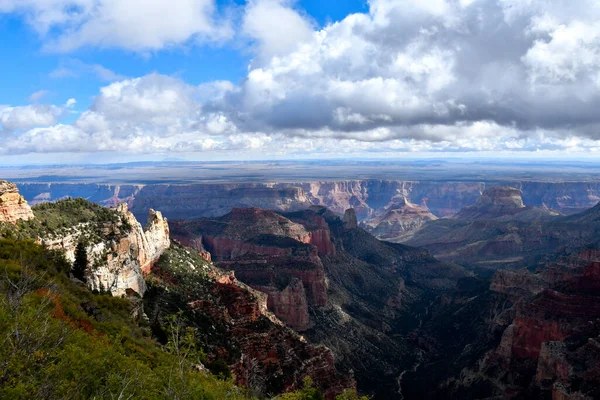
160	279
498	299
330	280
370	198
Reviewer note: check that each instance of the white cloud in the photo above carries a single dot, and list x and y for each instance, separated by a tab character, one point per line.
276	27
137	25
26	117
155	98
37	96
407	76
570	52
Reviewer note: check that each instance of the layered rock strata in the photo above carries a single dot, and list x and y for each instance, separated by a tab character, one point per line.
270	253
13	207
398	221
118	254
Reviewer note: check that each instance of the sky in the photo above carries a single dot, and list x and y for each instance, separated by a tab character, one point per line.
130	80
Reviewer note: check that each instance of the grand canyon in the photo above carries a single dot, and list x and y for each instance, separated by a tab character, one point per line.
300	199
398	288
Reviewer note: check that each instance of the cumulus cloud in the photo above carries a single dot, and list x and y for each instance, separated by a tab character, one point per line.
135	25
408	75
26	117
408	66
277	28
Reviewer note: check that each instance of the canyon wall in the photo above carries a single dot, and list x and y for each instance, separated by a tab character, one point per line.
369	198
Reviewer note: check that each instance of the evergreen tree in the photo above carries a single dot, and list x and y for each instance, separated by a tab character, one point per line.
81	261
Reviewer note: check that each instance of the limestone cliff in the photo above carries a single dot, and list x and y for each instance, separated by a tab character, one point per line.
118	252
13	206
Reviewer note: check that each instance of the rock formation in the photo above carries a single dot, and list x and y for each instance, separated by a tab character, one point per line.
237	328
494	202
13	206
330	280
398	221
350	221
270	253
118	253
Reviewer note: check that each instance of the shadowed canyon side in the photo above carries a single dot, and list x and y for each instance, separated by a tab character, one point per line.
332	281
522	335
236	327
526	333
498	230
399	221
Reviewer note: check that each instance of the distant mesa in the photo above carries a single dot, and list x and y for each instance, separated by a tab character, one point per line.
501	197
498	202
494	201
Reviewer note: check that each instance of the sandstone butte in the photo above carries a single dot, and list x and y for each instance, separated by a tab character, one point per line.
13	206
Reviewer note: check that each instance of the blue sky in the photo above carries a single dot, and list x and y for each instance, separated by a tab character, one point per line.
134	79
30	67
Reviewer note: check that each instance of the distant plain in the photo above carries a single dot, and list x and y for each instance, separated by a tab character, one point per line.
306	171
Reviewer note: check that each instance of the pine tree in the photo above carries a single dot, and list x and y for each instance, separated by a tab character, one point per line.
81	261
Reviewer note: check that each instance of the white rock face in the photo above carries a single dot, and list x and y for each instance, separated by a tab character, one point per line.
116	260
157	236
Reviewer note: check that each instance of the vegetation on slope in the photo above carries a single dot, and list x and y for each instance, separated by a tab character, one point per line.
64	217
58	340
61	341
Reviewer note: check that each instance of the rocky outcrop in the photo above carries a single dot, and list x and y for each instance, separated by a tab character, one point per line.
399	221
269	252
13	206
235	326
290	303
117	253
350	221
156	233
494	202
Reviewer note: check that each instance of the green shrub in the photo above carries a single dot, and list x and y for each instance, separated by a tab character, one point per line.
62	341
